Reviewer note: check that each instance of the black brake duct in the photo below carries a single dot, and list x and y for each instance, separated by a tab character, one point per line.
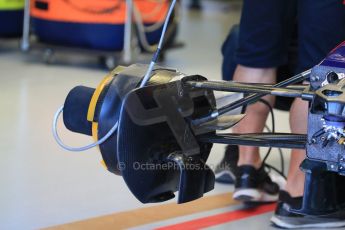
154	148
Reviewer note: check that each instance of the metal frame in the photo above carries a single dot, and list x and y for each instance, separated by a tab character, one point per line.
127	45
25	43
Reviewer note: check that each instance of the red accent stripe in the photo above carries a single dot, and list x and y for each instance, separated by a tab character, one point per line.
220	218
341	44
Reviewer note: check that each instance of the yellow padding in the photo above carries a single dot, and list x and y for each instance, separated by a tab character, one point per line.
95	96
12	4
95	137
104	164
95	130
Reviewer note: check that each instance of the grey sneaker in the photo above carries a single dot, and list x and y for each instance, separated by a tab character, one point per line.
284	218
225	170
254	185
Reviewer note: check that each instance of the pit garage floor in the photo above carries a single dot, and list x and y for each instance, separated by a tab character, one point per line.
44	186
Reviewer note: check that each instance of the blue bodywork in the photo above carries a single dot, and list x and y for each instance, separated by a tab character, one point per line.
336	57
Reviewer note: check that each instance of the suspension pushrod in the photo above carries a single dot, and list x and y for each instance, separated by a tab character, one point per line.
295	87
250	99
245	88
275	140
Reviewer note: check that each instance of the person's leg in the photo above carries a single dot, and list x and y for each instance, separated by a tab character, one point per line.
252	181
321	27
318	35
261	48
256	114
298	124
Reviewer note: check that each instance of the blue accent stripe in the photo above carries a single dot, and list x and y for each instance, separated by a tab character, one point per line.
84	35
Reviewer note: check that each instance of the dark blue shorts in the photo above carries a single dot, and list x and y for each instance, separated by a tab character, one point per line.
266	27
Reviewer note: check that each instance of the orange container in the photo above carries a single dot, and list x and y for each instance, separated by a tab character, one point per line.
89	23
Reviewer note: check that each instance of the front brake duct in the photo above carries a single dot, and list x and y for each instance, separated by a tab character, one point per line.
155	148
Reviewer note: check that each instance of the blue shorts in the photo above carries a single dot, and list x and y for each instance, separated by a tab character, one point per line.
266	27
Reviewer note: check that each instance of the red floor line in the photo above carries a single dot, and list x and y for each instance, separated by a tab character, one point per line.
220	218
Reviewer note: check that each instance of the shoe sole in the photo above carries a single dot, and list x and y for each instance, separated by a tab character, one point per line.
225	177
282	224
254	195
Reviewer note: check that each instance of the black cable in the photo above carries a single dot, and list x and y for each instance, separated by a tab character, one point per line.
277	170
282	161
270	149
273	125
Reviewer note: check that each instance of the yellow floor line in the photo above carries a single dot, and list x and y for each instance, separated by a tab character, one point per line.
137	217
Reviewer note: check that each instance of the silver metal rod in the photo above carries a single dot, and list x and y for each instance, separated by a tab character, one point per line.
127	46
252	97
25	43
246	88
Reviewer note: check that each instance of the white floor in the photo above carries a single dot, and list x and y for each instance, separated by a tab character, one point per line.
43	185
